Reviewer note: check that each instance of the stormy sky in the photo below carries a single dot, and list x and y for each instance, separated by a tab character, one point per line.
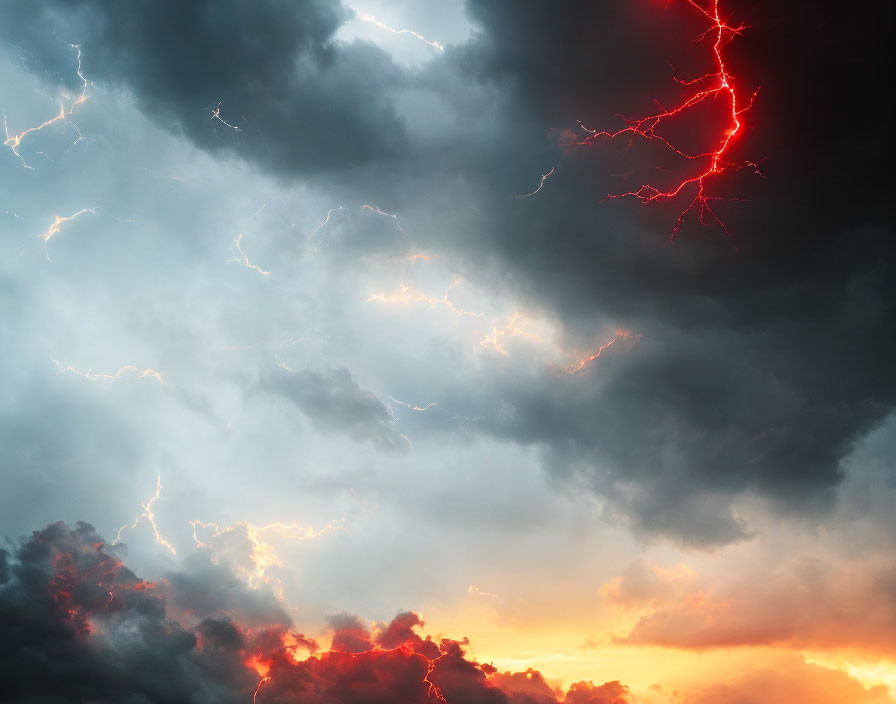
337	288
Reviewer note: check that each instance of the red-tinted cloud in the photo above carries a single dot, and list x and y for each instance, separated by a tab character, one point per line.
76	622
790	682
805	603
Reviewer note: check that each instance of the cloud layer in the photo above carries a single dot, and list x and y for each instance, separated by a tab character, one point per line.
78	624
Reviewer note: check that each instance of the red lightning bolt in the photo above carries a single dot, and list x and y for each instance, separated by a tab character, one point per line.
716	84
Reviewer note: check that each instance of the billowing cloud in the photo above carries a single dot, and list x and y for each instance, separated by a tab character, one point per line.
77	622
762	360
387	300
287	95
792	680
819	603
331	400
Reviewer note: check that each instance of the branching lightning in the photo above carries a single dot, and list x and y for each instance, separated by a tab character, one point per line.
372	208
216	115
150	518
718	83
423	409
244	258
15	140
58	222
511	329
370	19
262	554
406	295
432	688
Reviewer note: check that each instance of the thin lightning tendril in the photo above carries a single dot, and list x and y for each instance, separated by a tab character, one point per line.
544	177
375	209
715	84
581	364
96	376
476	590
407	295
428	407
371	208
511	329
244	258
370	19
412	406
11	214
15	140
433	689
216	115
326	220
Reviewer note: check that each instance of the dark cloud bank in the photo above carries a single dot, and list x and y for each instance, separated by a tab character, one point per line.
758	367
76	625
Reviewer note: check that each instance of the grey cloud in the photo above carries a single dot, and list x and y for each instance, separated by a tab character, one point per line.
302	103
757	370
332	401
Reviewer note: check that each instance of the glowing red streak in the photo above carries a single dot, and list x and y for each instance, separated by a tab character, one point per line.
579	366
262	666
718	83
258	689
433	689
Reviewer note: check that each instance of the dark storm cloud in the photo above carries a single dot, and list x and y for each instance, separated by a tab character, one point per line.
756	371
332	401
301	103
77	625
58	583
189	594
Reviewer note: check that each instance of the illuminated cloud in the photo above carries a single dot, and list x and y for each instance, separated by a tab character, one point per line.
810	603
88	620
602	456
761	337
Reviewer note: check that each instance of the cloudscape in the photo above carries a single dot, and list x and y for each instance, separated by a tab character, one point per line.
479	351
